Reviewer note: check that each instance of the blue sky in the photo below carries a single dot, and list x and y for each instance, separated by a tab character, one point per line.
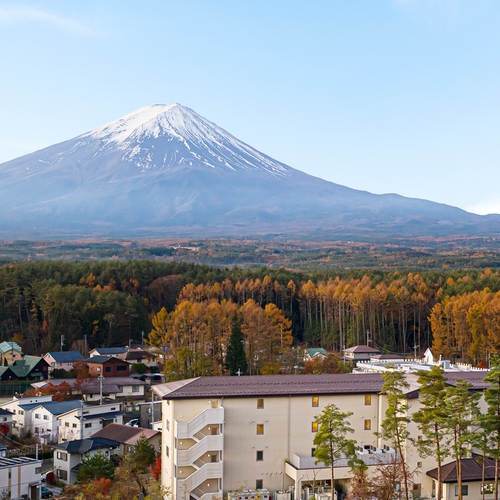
381	95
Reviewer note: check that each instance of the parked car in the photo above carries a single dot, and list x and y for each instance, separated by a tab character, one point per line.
133	423
46	493
44	475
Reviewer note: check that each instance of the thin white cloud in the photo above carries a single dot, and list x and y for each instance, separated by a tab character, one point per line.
19	14
486	207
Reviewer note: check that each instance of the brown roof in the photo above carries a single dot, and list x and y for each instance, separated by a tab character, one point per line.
362	348
472	470
125	434
271	385
475	377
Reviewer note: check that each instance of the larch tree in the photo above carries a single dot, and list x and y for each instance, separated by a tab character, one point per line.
490	420
394	427
236	362
431	419
331	439
462	408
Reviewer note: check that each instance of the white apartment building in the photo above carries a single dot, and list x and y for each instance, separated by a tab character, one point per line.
20	477
221	434
82	422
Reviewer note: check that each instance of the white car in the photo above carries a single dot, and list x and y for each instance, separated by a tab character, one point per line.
133	423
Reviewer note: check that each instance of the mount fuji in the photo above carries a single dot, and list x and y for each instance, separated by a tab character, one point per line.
163	170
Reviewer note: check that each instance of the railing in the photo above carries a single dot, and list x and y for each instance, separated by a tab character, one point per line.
209	416
208	443
211	470
381	457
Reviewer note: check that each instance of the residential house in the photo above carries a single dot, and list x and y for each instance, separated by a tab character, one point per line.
68	456
126	388
10	352
312	353
6	421
107	366
21	477
20	408
62	360
472	478
128	436
138	356
360	353
149	413
28	368
83	422
107	351
44	421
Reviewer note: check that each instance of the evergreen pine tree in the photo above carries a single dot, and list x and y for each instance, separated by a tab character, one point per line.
236	361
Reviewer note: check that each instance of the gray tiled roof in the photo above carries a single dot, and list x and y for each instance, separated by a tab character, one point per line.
86	445
65	356
272	385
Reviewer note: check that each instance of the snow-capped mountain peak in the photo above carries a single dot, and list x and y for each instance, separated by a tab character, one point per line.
163	136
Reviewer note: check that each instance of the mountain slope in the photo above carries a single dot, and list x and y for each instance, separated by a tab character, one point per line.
166	170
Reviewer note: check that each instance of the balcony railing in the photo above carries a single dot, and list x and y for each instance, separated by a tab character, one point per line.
207	444
207	417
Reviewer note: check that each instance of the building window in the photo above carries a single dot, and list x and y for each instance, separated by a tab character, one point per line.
98	369
62	456
419	464
167	425
313	451
487	488
314	427
107	369
260	403
368	400
167	451
37	415
45	417
315	401
259	455
66	424
121	368
88	425
368	425
259	484
135	388
62	474
260	429
465	490
74	426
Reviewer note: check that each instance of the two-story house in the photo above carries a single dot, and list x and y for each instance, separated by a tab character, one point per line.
68	455
107	366
61	360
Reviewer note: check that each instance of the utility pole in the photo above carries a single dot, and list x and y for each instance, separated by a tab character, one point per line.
368	338
415	347
85	346
101	378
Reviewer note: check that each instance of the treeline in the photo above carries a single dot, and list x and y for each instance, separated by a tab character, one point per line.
112	302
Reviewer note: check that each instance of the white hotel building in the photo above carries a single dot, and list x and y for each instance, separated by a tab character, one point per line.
226	434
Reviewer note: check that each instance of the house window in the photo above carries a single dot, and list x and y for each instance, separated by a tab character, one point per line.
74	426
368	400
98	369
45	417
121	368
465	490
259	484
260	403
66	424
167	451
135	388
314	427
259	456
62	474
315	401
368	425
62	456
130	449
419	464
313	451
260	429
107	369
37	415
487	488
88	425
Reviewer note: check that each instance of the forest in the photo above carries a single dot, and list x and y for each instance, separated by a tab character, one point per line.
194	309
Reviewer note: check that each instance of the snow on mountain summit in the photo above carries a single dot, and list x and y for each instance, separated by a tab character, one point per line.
184	138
